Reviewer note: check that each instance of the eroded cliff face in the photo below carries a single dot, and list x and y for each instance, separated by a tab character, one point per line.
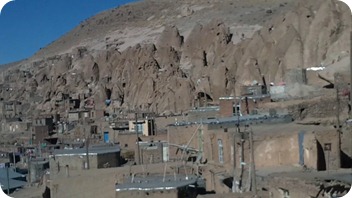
177	71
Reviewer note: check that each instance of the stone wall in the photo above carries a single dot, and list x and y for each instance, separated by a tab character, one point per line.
322	108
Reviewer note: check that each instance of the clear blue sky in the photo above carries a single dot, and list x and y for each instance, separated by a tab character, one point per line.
27	25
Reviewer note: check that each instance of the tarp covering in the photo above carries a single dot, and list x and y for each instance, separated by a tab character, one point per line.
13	184
12	174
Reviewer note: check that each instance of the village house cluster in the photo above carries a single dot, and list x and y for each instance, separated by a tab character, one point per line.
212	148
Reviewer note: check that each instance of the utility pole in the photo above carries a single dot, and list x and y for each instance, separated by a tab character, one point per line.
39	149
152	125
168	146
235	183
87	145
234	180
253	175
31	137
338	129
337	102
87	152
137	141
241	160
200	139
14	160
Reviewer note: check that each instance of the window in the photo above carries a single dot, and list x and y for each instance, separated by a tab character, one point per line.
237	110
139	128
221	151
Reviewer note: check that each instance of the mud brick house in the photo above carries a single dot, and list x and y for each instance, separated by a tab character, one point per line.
248	105
100	156
276	143
210	141
145	126
15	125
227	107
241	105
44	126
72	103
40	133
77	115
47	120
12	109
254	90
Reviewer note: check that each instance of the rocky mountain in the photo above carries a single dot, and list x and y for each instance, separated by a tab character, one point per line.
166	56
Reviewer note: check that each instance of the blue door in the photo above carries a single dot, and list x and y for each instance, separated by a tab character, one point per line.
106	137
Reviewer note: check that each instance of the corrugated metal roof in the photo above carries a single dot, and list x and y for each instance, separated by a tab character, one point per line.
205	109
242	119
95	150
157	183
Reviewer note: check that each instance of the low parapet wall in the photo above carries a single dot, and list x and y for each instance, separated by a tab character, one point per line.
313	150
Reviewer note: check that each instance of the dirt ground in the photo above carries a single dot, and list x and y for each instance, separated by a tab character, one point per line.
29	192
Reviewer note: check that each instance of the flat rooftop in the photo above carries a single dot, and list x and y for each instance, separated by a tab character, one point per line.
93	150
205	109
157	183
247	119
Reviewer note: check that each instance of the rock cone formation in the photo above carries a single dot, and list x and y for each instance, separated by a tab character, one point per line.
175	67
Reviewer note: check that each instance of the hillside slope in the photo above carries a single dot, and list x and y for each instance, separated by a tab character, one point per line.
165	56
